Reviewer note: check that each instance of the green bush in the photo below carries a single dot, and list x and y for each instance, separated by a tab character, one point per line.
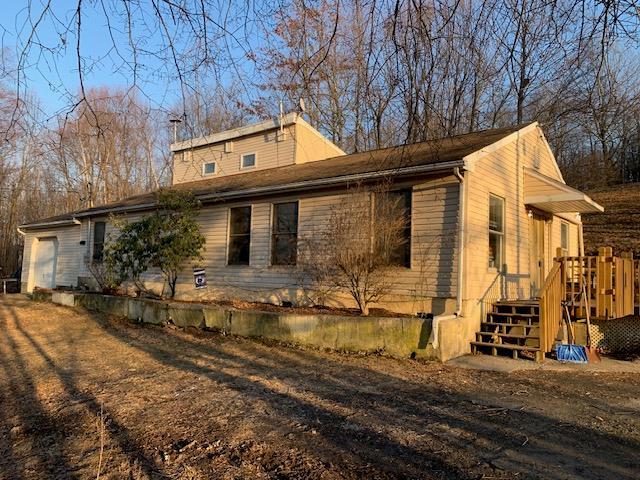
165	240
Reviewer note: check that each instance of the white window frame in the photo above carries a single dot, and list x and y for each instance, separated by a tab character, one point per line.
502	234
255	163
215	169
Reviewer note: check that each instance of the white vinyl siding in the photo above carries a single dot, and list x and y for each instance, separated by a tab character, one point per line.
70	254
269	154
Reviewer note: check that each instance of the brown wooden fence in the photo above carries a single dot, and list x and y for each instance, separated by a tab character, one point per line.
611	284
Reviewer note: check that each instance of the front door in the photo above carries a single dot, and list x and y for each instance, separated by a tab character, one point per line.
537	228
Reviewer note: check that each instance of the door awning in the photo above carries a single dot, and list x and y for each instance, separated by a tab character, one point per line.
550	195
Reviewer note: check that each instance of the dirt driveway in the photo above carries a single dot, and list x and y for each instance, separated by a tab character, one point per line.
197	405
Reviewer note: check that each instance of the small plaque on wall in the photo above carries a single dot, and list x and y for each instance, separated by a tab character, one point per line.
199	278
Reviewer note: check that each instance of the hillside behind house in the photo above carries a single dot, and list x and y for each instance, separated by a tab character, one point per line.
619	225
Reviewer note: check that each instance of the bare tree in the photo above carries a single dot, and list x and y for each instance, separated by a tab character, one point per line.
357	249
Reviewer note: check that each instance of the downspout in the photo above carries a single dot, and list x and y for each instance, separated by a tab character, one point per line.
460	278
461	240
580	236
87	261
21	232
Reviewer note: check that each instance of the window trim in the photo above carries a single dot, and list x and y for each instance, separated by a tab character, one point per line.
215	168
228	244
502	234
255	162
272	233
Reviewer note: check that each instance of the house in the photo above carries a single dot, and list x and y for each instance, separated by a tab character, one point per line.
488	211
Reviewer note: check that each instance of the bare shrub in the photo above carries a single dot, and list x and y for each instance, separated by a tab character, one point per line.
105	278
357	251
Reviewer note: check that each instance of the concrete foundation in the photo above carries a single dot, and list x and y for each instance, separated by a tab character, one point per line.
395	336
147	311
63	298
102	303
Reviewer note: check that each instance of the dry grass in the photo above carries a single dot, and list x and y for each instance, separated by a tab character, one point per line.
174	404
619	225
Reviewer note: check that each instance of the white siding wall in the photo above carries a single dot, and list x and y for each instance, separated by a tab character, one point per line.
432	275
502	173
429	285
187	164
70	255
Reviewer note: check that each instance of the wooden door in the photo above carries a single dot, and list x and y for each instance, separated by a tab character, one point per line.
537	246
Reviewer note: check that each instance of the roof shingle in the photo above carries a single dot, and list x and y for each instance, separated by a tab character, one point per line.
431	152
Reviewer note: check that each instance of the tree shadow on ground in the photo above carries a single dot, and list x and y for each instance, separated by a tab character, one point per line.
369	423
522	441
45	431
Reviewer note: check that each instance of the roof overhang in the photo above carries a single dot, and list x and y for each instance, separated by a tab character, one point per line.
553	196
57	223
290	187
234	133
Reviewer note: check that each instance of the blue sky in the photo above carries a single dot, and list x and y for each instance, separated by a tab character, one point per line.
52	72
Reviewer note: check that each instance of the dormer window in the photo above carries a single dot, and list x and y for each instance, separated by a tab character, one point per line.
209	168
248	160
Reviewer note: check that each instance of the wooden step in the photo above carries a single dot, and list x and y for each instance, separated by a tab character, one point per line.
500	317
508	346
531	301
508	335
509	314
525	323
517	310
513	348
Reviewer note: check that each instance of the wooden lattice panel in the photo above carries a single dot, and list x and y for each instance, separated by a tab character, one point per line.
616	336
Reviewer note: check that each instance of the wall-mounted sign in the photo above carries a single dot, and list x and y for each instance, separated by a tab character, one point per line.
199	278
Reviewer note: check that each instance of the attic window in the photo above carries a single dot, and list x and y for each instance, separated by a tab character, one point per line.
209	168
248	160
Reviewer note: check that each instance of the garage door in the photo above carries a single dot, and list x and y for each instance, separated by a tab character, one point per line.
45	267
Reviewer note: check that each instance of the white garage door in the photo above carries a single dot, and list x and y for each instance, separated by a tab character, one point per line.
45	267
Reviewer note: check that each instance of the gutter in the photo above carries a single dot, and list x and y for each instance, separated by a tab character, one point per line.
461	240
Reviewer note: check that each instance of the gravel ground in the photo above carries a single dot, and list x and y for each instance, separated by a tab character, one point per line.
83	395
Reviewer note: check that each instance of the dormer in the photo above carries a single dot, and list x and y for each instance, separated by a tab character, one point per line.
268	144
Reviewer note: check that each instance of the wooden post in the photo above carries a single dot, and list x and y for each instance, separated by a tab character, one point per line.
628	286
604	279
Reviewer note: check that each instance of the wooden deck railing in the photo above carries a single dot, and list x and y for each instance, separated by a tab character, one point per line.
551	295
611	284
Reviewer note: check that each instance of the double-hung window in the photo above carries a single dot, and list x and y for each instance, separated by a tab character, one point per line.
496	232
284	234
239	247
98	241
564	237
389	207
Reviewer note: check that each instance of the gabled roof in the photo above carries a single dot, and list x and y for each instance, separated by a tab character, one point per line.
405	160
